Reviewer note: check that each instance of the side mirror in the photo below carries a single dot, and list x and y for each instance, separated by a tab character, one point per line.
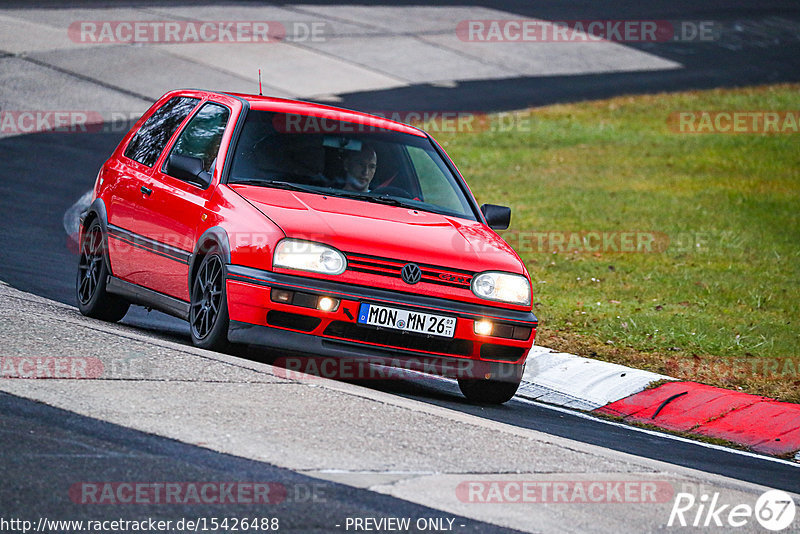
497	217
188	168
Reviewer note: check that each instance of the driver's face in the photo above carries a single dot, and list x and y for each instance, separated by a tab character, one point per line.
361	166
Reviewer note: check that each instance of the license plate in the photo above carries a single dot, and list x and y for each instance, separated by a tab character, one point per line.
409	321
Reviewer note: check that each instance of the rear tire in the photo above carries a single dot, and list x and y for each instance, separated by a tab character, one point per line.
90	285
482	391
208	313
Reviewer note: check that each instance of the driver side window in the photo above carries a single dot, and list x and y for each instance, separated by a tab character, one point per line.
202	136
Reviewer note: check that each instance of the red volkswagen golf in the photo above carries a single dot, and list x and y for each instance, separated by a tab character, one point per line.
307	228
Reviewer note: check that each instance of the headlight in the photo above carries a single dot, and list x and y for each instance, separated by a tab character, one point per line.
503	287
308	256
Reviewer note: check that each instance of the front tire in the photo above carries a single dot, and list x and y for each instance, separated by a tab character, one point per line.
208	313
90	285
482	391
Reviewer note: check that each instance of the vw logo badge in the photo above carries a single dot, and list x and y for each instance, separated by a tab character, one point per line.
411	273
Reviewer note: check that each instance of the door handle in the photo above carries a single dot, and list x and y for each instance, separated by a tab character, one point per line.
147	191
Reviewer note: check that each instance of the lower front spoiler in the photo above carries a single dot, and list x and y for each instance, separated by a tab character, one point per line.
339	351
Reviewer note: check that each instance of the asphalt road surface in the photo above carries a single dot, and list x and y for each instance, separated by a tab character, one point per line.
45	173
54	449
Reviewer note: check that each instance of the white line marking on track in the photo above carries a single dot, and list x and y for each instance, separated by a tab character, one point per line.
584	415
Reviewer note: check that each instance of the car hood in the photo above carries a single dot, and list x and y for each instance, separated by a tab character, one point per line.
355	226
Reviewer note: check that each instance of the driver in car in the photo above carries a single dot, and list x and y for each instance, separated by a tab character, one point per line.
360	167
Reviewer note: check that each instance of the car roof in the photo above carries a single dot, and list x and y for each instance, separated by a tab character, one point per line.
285	105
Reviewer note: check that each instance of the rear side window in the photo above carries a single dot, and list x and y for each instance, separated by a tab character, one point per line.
148	143
203	134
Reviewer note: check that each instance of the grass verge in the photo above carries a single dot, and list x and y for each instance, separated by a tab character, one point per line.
717	298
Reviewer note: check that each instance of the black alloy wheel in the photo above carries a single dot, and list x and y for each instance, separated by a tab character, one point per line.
208	313
90	286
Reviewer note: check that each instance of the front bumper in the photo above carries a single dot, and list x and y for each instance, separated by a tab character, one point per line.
256	319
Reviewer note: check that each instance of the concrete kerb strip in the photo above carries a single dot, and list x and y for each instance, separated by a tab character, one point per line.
580	383
605	388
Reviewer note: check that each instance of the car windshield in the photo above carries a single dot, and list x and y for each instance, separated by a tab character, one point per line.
364	162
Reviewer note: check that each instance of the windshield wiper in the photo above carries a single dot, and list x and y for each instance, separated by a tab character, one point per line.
383	199
279	184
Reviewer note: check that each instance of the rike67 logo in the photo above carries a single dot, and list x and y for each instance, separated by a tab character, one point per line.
774	510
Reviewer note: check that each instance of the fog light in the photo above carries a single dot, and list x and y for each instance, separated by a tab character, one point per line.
327	304
483	328
522	332
281	295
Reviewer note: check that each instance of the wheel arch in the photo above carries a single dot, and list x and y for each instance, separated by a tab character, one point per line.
96	211
214	237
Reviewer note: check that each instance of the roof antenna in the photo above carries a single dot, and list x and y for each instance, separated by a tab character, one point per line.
259	83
